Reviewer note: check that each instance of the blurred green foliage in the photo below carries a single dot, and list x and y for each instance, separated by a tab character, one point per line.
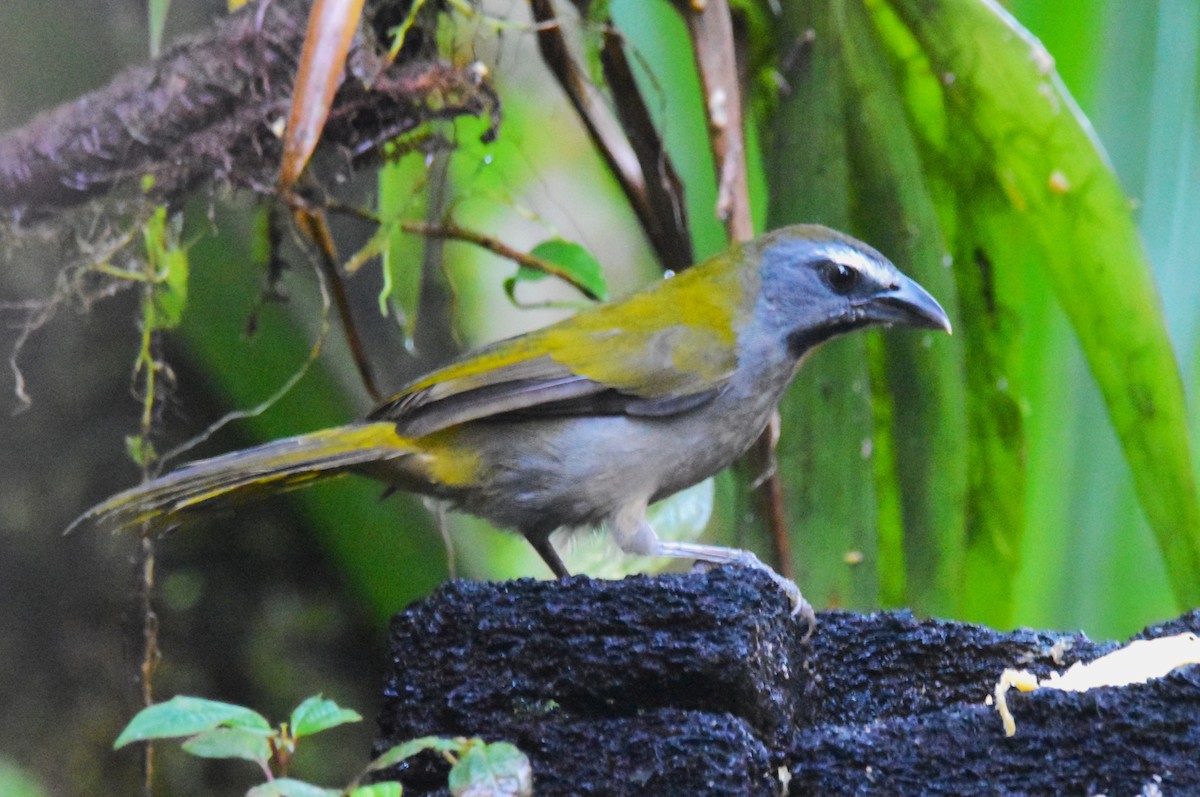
945	139
16	783
1089	559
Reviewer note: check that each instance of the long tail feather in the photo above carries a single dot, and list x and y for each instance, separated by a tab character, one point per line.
263	470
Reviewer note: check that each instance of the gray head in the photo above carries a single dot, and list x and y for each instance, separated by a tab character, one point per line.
818	283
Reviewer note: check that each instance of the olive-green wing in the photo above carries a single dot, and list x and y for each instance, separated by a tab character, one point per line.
613	359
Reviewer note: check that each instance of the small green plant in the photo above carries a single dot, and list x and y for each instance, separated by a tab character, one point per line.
223	730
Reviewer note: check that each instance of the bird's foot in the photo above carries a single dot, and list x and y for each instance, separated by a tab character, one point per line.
801	608
639	538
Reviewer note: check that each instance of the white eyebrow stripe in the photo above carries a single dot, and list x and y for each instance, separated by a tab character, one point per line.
861	262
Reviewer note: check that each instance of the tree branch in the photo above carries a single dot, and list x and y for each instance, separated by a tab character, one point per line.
207	110
633	151
451	231
700	685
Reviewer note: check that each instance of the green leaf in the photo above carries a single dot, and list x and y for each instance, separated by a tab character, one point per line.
375	246
170	293
230	743
186	716
491	770
168	262
939	133
566	260
524	274
1090	559
410	748
403	196
388	788
1042	194
318	714
140	449
289	787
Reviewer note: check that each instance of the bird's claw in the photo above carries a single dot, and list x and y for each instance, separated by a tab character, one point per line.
801	608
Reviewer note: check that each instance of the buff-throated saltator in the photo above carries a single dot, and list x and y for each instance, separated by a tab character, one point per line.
593	418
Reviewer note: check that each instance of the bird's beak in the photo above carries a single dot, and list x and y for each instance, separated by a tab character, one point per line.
908	304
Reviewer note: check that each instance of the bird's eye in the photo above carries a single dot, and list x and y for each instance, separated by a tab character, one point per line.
842	279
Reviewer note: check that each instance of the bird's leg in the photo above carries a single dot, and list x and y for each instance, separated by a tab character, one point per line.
634	535
541	544
443	524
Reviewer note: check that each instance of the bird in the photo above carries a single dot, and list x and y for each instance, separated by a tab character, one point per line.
588	421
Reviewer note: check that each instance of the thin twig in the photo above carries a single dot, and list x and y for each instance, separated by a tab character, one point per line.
314	227
148	367
770	496
613	145
664	189
450	230
711	29
151	653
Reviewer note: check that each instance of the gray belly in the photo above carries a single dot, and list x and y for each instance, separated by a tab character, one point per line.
537	475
